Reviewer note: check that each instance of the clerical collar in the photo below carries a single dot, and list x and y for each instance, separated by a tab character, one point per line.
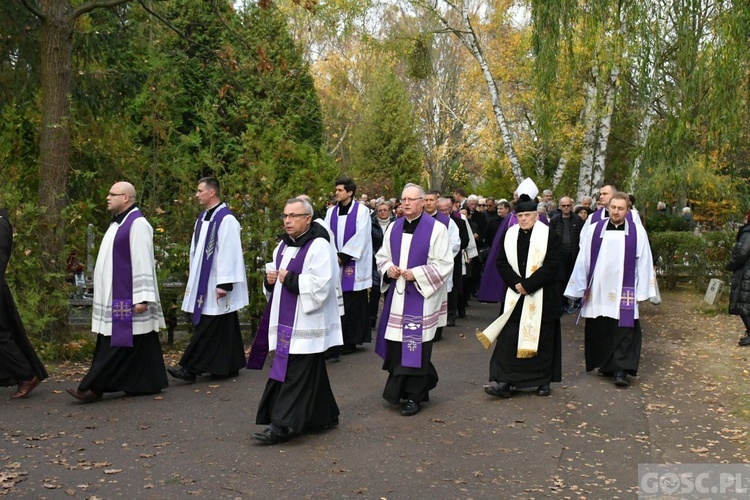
411	225
120	217
211	211
434	216
344	209
314	231
611	226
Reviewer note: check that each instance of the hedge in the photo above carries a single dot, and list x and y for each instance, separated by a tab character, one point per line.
686	257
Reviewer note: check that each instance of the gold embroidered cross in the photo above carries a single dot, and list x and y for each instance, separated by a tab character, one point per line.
612	296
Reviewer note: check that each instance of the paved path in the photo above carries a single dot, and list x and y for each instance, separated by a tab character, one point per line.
585	441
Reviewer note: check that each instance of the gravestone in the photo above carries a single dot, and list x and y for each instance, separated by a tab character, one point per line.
713	292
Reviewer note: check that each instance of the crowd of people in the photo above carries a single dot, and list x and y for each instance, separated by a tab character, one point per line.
406	268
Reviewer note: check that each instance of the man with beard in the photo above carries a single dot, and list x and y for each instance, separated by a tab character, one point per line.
613	272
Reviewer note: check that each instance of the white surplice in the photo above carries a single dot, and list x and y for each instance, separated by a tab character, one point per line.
145	287
317	324
606	283
431	281
359	247
228	266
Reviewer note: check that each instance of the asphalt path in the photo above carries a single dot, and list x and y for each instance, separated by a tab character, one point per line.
584	441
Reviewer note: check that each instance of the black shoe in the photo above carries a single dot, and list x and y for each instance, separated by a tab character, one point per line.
745	340
500	390
621	379
181	373
438	335
348	349
451	322
544	390
410	408
462	313
268	436
233	374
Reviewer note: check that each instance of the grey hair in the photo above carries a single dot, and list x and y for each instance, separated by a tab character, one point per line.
412	185
308	206
444	199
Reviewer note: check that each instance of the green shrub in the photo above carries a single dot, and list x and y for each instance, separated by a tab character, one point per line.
684	256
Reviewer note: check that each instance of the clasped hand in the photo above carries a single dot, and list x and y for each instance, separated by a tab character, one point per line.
395	272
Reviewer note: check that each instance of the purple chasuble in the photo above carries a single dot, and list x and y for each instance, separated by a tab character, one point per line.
627	295
287	316
122	284
348	273
413	314
207	256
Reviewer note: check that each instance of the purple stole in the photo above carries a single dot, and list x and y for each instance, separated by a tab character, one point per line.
627	296
122	284
441	217
287	316
599	215
413	315
207	256
348	273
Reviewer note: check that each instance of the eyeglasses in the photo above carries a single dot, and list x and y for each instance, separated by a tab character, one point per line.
116	194
563	206
410	200
293	216
482	205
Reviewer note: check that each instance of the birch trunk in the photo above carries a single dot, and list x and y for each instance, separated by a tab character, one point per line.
589	142
470	40
605	127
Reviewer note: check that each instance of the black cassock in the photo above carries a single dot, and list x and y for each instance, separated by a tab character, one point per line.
18	361
546	366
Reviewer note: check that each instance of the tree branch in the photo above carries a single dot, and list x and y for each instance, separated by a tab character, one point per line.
31	8
87	7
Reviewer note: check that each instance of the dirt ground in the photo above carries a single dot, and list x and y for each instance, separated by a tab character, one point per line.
688	405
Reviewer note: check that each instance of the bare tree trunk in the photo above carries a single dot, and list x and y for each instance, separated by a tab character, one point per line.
589	143
470	40
56	43
605	126
562	164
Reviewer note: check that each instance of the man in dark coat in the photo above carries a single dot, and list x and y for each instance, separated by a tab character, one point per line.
19	364
567	226
739	264
528	351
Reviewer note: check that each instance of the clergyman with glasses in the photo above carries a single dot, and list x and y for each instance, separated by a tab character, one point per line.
216	290
300	323
416	263
127	311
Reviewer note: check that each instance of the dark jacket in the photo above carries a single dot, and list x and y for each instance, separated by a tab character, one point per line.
377	242
576	224
739	263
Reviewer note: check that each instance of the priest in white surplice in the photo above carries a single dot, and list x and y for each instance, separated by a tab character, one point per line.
300	323
127	311
216	290
416	263
613	272
352	230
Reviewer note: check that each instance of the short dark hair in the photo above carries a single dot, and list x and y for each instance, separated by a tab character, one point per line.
504	204
459	191
211	183
348	183
433	191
